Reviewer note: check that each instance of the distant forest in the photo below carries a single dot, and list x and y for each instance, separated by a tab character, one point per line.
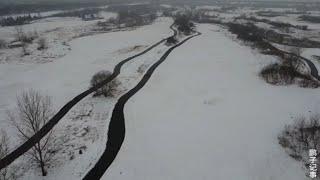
7	9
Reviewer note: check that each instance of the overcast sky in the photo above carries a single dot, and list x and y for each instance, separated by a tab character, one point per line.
39	1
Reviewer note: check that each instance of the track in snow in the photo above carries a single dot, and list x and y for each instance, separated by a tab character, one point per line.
116	133
26	146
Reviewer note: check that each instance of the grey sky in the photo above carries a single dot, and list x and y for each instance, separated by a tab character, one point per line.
45	1
21	1
60	1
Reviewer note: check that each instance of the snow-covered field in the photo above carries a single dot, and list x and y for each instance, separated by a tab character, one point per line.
88	55
313	28
56	31
205	114
66	77
309	53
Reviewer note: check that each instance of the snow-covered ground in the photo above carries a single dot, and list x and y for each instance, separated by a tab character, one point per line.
57	31
313	28
309	53
313	54
42	14
48	24
66	77
52	12
89	123
205	114
312	32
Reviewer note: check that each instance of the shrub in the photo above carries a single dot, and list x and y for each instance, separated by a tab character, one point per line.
142	68
171	40
25	37
300	137
42	44
247	32
182	21
287	73
278	74
3	44
109	89
307	83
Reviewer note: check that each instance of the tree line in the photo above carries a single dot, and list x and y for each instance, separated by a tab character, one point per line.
19	20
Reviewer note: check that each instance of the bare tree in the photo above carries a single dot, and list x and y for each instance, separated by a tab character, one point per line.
21	36
8	172
32	112
4	150
19	33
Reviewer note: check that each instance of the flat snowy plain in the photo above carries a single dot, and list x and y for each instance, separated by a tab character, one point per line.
205	114
66	77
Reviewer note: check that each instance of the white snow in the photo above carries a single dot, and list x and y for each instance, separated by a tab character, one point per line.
205	114
308	53
66	77
91	131
57	31
85	127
